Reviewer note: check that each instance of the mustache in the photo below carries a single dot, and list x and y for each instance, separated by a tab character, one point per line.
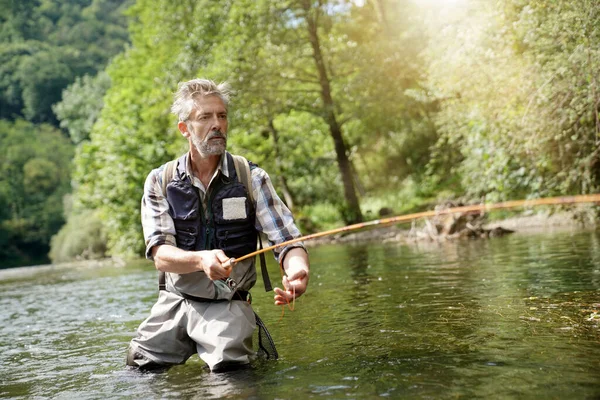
216	134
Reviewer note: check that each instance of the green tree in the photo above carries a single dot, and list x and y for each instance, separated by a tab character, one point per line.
519	99
562	108
42	77
135	132
299	105
81	105
46	44
82	237
34	178
333	61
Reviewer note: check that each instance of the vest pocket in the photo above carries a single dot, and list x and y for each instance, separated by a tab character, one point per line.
185	211
236	240
187	232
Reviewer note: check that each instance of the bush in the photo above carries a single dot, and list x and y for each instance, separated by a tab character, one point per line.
318	217
82	237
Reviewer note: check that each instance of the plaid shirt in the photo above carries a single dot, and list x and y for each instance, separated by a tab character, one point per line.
273	218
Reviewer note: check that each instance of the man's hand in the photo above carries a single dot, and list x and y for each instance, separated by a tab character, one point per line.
295	281
215	264
294	286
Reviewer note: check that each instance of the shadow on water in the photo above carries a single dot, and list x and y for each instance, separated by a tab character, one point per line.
513	317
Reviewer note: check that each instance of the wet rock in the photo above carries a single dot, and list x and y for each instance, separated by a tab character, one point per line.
385	212
458	224
498	231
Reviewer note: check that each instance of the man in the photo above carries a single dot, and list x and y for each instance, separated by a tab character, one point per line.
194	223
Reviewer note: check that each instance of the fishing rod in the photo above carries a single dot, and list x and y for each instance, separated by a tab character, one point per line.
587	198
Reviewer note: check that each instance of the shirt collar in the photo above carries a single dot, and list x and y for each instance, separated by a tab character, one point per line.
223	165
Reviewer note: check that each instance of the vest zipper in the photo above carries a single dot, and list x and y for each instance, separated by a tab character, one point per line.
201	217
208	218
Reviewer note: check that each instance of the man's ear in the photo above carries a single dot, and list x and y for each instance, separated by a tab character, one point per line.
182	126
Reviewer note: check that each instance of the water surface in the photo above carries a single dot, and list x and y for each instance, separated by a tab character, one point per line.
512	317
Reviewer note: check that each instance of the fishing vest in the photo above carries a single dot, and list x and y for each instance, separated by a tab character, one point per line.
227	222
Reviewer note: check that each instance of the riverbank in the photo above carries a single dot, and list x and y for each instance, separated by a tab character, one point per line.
577	219
23	272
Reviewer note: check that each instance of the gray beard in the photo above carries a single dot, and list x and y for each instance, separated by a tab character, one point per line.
205	148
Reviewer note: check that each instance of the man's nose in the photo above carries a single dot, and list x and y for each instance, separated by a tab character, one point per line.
215	123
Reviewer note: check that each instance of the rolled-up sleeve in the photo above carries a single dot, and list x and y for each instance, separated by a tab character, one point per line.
273	218
157	224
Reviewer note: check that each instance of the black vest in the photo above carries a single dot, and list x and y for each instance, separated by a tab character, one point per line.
227	223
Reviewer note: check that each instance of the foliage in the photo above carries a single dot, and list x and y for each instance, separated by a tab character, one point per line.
561	41
130	137
34	177
389	116
519	99
83	236
372	67
317	217
81	104
281	66
47	44
390	75
134	132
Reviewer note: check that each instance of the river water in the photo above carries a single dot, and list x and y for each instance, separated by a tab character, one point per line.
512	317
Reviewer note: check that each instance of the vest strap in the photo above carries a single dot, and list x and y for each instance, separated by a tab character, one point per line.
162	281
242	169
167	176
263	267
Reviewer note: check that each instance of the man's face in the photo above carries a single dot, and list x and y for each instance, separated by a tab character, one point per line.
207	125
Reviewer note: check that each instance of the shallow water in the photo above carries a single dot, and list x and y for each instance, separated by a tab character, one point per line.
512	317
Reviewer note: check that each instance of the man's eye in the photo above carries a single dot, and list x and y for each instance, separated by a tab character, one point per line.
222	116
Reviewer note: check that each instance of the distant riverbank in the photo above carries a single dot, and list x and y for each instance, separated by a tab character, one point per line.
567	220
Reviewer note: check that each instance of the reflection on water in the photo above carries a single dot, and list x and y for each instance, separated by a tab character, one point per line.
513	317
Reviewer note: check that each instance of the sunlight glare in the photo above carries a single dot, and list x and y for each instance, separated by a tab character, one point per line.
439	3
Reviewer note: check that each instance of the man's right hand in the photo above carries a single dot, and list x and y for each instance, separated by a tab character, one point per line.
214	263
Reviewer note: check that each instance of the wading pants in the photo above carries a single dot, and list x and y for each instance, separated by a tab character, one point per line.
220	332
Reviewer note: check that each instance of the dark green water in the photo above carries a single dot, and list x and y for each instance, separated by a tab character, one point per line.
507	318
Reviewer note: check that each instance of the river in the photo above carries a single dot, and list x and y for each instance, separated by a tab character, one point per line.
511	317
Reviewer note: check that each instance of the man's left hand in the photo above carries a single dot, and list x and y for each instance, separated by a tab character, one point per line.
295	281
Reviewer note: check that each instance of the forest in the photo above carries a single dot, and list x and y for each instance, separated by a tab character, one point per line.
354	107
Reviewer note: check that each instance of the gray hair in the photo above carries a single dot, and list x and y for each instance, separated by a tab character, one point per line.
188	91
